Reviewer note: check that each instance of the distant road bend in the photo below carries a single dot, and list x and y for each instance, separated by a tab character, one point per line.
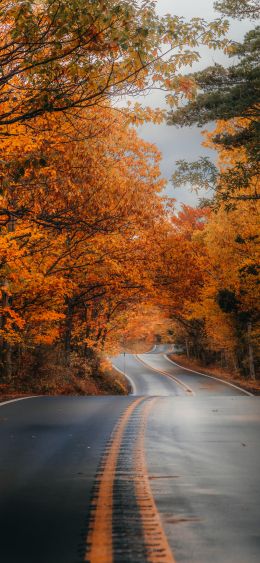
168	474
154	373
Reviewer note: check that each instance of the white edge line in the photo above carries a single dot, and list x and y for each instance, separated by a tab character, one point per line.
210	377
19	399
133	387
172	377
156	346
152	350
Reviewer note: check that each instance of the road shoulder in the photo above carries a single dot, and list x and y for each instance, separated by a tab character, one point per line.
246	384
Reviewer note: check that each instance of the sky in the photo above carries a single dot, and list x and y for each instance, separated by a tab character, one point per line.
185	143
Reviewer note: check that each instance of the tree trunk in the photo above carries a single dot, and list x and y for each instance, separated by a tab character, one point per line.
103	339
6	363
68	331
250	351
5	347
187	348
235	362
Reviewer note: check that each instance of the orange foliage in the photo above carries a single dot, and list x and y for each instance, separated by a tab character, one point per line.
78	216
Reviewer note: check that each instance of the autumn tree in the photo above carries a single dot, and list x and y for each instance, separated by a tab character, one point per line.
88	246
179	269
84	214
208	275
232	289
57	55
219	319
142	325
79	190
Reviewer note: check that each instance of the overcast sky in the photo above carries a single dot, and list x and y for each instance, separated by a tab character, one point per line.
175	143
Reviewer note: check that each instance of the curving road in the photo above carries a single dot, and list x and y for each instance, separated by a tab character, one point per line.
167	474
154	373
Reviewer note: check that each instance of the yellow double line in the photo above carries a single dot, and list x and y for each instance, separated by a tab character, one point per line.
178	381
99	539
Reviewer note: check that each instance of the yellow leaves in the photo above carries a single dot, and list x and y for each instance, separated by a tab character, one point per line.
138	115
172	100
220	328
226	156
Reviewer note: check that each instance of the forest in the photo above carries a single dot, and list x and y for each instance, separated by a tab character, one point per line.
94	258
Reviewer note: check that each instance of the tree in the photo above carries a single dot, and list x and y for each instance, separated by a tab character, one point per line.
225	93
82	216
232	241
217	318
179	267
239	9
201	173
231	95
57	55
237	180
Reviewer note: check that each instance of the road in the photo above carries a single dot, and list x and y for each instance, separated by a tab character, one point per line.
155	374
167	474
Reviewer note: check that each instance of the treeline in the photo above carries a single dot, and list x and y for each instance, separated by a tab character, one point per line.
91	256
79	203
223	324
76	232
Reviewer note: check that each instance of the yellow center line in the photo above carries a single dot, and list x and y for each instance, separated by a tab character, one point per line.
100	536
158	549
178	381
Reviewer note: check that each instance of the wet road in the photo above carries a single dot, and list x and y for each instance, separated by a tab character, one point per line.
50	451
155	374
146	381
203	459
132	479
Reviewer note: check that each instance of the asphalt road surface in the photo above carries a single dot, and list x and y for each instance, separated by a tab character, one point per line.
167	474
155	374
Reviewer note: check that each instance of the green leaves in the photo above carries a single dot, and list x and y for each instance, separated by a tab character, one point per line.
199	174
225	93
239	8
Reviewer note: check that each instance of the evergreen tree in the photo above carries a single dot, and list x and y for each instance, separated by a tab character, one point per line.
226	94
